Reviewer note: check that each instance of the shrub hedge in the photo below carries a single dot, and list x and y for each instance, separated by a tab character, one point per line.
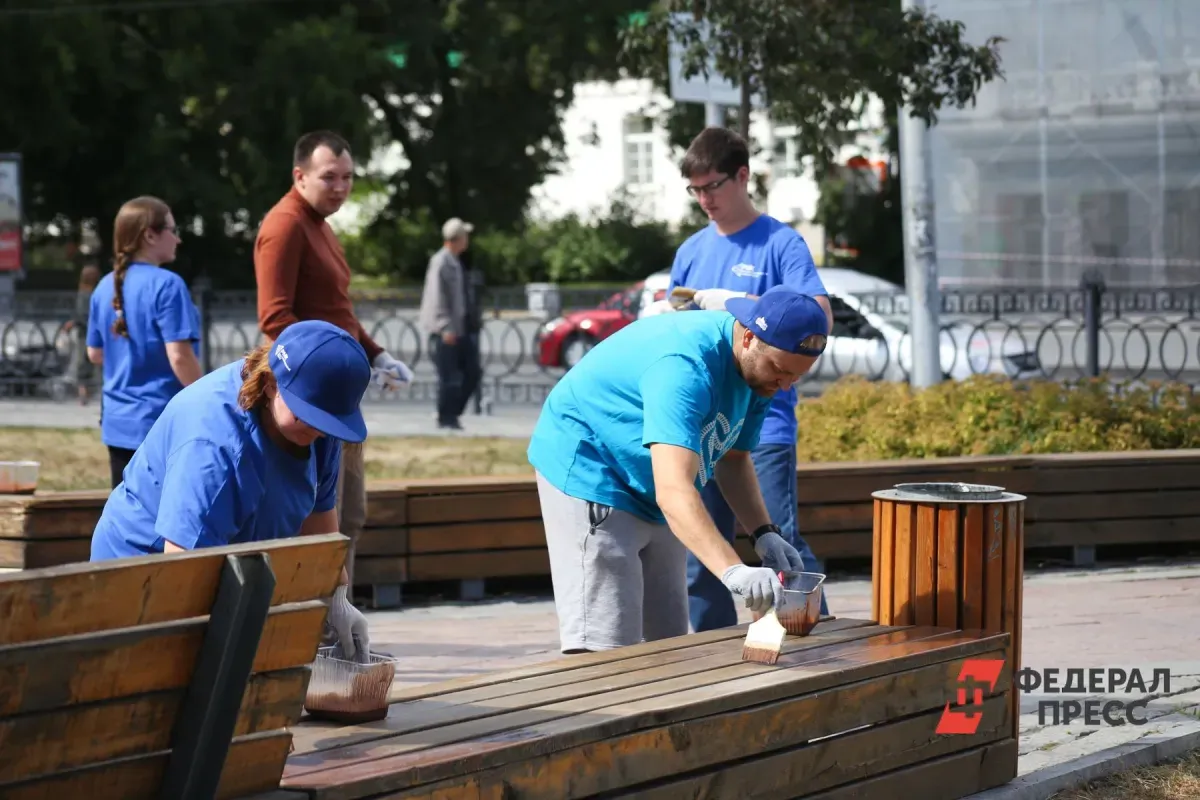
860	420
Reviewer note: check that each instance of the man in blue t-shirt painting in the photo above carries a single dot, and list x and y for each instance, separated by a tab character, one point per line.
743	253
630	436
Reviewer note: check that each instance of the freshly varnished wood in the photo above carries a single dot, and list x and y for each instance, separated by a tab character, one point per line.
407	760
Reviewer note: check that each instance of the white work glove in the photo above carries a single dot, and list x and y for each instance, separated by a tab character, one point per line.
350	625
390	373
777	554
714	299
758	585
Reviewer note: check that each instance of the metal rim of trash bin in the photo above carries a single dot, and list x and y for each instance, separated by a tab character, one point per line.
947	492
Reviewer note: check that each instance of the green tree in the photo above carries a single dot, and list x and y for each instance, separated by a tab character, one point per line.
816	62
200	104
862	219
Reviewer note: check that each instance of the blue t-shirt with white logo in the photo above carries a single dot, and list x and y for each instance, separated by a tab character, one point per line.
665	379
764	254
138	379
208	475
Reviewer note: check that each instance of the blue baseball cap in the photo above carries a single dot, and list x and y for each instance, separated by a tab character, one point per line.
322	373
783	318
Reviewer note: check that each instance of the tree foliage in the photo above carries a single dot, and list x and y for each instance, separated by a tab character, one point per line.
200	104
816	62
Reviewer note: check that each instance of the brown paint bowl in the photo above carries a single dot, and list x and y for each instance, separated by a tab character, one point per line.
801	607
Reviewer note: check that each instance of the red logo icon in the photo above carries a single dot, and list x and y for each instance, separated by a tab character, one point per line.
977	676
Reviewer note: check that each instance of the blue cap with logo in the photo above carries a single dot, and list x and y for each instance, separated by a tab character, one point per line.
322	373
784	318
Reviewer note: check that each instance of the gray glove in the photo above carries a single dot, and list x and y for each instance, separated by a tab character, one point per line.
350	625
758	585
777	554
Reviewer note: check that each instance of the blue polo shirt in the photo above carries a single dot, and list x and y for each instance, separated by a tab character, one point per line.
764	254
138	379
664	379
208	475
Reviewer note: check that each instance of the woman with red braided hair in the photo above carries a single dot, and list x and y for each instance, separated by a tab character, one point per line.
144	329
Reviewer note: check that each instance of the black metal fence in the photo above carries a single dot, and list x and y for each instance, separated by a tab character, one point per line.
1129	334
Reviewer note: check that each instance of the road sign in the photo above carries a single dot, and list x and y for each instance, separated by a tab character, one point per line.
717	89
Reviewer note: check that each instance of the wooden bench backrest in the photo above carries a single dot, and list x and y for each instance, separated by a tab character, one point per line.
96	661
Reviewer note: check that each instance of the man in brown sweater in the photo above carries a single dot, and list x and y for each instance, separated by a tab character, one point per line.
302	274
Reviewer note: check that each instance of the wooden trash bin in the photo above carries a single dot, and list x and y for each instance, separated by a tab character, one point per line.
950	555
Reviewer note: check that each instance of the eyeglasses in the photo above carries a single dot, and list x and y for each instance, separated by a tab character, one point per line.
708	188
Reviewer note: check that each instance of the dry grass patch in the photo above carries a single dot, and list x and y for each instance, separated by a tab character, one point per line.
1178	780
76	458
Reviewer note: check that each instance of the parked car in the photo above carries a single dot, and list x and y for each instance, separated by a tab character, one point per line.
564	340
865	340
869	339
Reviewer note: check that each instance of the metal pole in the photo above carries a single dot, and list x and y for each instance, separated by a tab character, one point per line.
920	258
714	116
1043	136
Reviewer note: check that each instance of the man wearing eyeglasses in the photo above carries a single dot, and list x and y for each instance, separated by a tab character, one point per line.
628	438
743	253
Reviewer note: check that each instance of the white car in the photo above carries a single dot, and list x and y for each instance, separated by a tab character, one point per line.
869	339
654	294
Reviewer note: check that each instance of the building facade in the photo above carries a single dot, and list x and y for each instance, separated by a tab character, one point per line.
615	148
1086	155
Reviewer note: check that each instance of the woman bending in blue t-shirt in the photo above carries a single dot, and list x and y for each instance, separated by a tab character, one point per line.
143	328
250	452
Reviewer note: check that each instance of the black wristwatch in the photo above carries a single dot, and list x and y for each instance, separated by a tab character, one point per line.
770	527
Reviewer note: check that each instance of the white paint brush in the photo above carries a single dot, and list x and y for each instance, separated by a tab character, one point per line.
764	639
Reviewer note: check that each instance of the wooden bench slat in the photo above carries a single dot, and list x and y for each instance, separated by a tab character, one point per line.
754	751
513	503
35	522
1112	505
370	570
514	696
39	553
1053	478
1115	531
252	761
566	663
390	541
491	535
82	598
479	564
37	744
404	761
99	666
948	778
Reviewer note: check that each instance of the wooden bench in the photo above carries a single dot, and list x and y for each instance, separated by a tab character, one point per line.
470	530
849	711
169	676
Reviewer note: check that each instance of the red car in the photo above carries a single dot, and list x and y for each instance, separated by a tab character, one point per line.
563	341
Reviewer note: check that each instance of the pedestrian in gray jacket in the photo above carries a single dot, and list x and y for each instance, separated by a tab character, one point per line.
445	319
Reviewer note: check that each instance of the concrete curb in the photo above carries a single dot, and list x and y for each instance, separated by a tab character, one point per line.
1148	751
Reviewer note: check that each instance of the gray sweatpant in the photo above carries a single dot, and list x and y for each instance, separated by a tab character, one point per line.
618	579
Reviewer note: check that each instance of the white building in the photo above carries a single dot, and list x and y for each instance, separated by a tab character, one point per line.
614	146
